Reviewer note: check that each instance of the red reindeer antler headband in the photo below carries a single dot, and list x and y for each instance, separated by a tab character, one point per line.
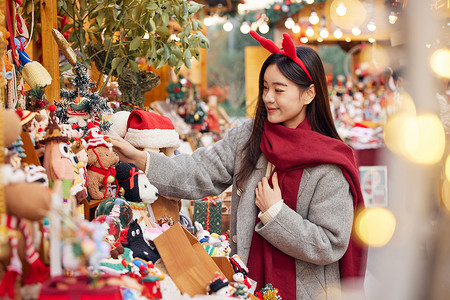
288	48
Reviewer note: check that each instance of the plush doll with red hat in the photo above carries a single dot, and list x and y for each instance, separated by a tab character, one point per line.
150	131
101	163
57	160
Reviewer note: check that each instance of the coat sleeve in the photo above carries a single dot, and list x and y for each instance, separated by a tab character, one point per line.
206	172
323	236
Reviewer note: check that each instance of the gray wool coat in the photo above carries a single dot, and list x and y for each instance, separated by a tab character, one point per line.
316	234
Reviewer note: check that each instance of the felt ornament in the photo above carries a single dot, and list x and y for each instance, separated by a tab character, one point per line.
101	163
64	46
137	244
17	195
150	131
33	72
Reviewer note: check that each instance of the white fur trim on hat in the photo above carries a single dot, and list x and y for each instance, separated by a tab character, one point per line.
153	138
119	122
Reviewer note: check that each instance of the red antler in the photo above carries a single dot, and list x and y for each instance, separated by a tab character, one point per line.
268	44
288	46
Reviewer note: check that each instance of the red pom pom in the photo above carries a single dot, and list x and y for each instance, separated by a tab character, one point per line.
52	107
19	112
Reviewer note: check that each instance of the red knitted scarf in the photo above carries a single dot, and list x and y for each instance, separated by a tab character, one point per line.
291	150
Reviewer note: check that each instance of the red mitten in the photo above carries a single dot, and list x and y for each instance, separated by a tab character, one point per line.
38	272
8	283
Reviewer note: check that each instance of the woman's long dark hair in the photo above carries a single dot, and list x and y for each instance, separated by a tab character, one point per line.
318	111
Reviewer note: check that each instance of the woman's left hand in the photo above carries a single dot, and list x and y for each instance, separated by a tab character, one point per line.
265	195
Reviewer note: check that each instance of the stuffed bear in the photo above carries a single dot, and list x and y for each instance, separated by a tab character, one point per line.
101	163
137	244
135	183
19	208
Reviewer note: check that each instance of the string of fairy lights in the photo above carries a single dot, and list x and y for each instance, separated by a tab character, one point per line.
347	17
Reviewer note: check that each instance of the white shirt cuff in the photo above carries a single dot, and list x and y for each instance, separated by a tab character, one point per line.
271	213
147	163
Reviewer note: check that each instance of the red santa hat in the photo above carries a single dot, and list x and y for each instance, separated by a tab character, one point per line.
152	131
95	137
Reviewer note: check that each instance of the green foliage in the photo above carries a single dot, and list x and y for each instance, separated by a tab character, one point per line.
133	29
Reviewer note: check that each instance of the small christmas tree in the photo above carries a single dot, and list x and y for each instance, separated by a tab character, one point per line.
81	101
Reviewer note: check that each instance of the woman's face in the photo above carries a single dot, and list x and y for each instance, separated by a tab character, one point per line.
285	101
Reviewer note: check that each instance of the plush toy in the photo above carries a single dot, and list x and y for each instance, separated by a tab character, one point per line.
135	183
101	163
137	244
17	195
57	160
220	286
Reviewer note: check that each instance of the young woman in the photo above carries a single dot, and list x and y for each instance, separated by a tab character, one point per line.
295	183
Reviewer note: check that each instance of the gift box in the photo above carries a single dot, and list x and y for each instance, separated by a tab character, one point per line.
208	212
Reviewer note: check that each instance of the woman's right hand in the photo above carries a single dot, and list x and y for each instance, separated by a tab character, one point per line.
128	153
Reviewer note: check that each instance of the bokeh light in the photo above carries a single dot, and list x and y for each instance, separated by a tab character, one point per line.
355	14
425	139
445	196
440	62
447	168
394	131
375	226
376	56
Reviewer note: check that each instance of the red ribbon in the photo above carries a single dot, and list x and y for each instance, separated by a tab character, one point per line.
132	173
209	200
106	173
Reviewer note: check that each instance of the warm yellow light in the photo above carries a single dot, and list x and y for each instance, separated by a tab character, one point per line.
296	28
341	10
348	13
304	39
394	131
289	23
314	18
376	57
245	27
324	33
403	102
319	39
447	168
208	21
424	140
356	31
337	33
440	62
445	196
264	28
309	31
228	26
375	226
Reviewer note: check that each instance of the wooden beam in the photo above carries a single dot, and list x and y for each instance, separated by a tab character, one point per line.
50	56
